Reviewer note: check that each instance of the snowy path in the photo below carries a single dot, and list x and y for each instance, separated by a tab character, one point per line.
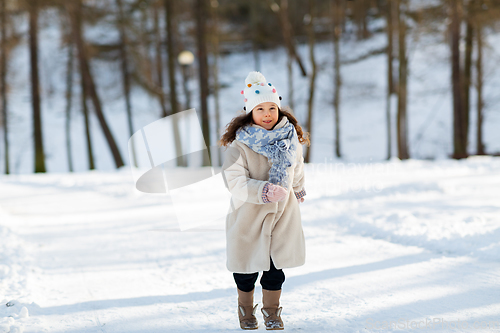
419	241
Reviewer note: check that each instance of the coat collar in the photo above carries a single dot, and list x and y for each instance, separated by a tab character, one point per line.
278	125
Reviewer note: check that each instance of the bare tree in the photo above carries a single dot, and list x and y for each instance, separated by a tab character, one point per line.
158	55
125	73
360	18
69	95
459	119
390	82
309	21
282	13
337	18
215	71
171	54
145	69
468	67
480	148
88	137
201	39
291	98
3	82
75	12
402	129
35	89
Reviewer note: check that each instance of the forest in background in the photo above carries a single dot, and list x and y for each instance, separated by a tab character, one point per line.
158	44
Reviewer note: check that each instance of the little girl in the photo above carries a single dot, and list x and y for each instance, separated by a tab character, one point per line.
263	165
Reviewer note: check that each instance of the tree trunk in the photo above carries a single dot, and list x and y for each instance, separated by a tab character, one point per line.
402	130
358	18
360	14
171	53
390	82
289	63
337	33
468	68
201	9
35	89
282	13
344	8
69	97
479	72
144	55
75	10
312	80
159	61
459	130
215	43
3	84
289	66
85	110
86	117
125	74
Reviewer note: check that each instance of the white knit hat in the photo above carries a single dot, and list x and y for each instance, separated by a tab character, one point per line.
258	90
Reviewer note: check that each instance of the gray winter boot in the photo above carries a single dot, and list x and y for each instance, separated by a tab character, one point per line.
271	310
246	310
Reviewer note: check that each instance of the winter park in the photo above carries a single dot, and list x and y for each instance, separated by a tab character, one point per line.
220	166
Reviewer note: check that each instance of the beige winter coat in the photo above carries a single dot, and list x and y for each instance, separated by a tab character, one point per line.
256	231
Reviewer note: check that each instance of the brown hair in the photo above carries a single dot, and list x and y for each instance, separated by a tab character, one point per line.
246	119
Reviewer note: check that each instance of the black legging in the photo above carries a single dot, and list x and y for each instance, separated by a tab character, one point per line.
270	280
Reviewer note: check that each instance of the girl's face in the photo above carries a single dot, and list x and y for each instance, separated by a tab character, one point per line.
265	115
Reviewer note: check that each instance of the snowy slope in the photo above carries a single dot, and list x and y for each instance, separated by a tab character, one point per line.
407	242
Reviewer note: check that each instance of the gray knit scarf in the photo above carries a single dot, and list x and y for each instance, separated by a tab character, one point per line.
278	145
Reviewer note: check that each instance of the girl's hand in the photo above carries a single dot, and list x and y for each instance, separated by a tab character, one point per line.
300	200
276	193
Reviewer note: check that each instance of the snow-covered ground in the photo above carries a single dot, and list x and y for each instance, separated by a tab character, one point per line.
415	243
412	242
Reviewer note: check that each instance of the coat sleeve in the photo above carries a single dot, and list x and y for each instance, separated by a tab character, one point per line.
298	176
238	182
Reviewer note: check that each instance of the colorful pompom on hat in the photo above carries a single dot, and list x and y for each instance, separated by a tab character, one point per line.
258	90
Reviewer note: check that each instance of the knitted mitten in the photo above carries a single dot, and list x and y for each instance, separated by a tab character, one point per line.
276	193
